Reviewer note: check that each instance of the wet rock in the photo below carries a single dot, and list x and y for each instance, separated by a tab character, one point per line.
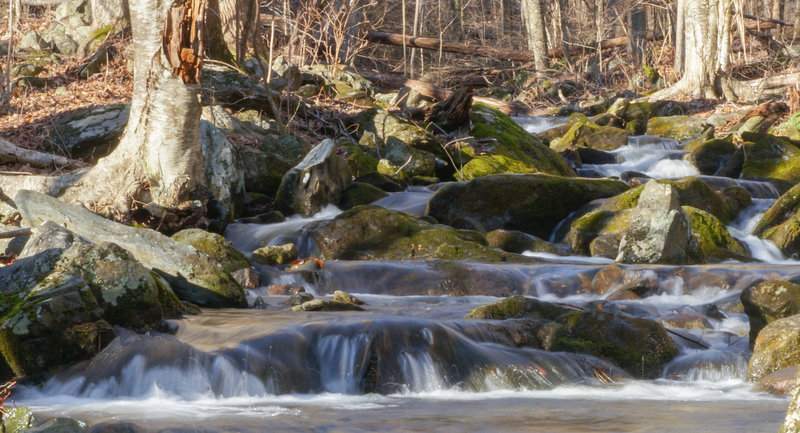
340	296
59	425
781	222
519	242
274	255
678	128
769	301
508	148
17	420
285	289
247	278
316	181
659	231
685	320
584	133
599	232
358	193
711	155
299	298
777	346
306	265
215	246
769	156
89	132
791	424
326	305
531	203
713	238
637	345
781	383
375	233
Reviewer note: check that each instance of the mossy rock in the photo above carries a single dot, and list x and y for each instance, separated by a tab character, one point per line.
265	166
382	181
531	203
768	156
375	233
383	125
777	346
326	305
784	208
711	155
19	420
518	307
358	193
790	128
67	316
518	242
598	224
273	255
510	148
584	133
786	236
642	347
680	128
769	301
215	246
360	162
712	236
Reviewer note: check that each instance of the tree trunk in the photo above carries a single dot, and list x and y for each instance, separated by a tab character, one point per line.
231	24
532	14
680	36
159	157
637	23
707	51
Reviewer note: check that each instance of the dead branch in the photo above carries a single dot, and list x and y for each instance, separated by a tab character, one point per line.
11	154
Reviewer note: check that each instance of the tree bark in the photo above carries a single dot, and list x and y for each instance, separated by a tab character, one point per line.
680	36
533	15
159	157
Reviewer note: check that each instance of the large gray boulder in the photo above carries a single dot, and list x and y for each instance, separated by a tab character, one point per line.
316	181
90	132
194	276
777	346
659	231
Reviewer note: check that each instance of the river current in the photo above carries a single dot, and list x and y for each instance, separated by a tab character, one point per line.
411	363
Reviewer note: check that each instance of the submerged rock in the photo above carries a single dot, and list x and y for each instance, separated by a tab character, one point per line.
531	203
375	233
769	301
508	149
316	181
326	305
639	346
659	229
519	242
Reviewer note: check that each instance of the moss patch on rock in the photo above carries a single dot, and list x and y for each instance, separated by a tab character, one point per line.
768	156
712	236
215	246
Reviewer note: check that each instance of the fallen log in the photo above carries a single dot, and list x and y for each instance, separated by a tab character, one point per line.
484	51
11	154
431	91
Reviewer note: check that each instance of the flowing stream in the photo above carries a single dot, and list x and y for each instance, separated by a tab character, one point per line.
411	362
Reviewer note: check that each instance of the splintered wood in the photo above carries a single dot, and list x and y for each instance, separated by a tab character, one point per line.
183	39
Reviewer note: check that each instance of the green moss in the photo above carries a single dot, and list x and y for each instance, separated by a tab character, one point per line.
215	246
588	134
359	161
787	204
712	235
513	148
515	307
651	73
768	156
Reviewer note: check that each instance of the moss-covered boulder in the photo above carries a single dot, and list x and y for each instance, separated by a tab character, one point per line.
375	233
265	165
358	193
680	128
505	147
777	346
598	233
519	242
711	155
712	236
637	345
376	127
361	161
215	246
768	156
531	203
273	255
584	133
67	315
769	301
783	209
790	128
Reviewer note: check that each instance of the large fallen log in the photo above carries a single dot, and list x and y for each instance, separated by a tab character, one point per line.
484	51
431	91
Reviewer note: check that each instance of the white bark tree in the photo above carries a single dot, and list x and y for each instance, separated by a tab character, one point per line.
706	51
533	15
159	158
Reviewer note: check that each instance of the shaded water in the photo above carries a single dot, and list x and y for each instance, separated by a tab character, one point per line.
410	362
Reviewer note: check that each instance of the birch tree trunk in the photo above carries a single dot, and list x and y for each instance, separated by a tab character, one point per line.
533	15
159	157
707	51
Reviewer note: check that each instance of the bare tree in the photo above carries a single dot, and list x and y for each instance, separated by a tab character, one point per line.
533	16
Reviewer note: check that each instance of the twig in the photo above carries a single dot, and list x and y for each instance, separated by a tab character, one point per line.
15	233
404	165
